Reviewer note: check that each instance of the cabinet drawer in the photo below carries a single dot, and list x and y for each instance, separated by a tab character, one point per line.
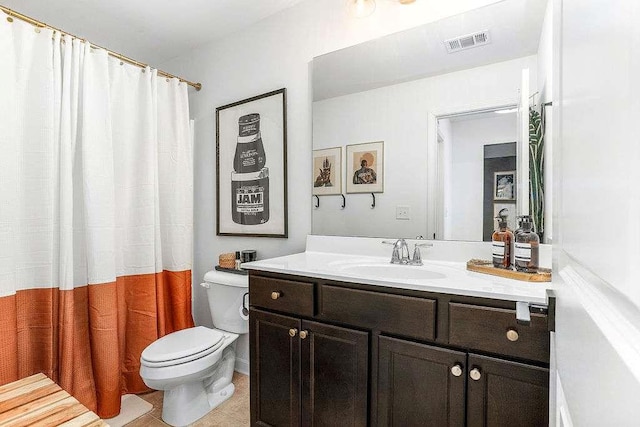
394	314
486	328
287	296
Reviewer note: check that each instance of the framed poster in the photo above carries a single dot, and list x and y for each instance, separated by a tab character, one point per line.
365	172
504	185
508	210
327	171
251	167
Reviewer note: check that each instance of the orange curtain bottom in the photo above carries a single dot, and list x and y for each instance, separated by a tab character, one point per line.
89	339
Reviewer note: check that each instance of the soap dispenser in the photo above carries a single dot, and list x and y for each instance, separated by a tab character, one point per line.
502	241
519	229
527	247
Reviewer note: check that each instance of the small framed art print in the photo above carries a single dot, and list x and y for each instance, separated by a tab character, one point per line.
365	167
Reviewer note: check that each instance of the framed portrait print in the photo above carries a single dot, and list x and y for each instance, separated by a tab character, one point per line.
365	171
327	171
504	185
251	167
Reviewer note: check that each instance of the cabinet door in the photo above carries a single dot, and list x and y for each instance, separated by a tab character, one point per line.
334	375
503	393
419	385
275	369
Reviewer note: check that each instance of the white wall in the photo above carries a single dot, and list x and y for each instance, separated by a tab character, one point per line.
600	148
398	115
596	96
468	138
271	54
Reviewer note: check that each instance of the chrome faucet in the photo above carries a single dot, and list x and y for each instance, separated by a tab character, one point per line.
400	254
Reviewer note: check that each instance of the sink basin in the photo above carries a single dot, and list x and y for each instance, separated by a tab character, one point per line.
391	271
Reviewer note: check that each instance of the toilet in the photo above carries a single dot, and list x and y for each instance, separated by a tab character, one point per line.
194	366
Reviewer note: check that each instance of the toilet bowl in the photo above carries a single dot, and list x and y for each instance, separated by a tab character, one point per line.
195	366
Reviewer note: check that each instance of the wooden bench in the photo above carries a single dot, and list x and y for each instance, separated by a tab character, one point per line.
37	400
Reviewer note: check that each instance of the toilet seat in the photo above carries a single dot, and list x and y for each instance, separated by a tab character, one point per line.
182	346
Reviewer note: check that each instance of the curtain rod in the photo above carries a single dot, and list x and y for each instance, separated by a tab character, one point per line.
13	14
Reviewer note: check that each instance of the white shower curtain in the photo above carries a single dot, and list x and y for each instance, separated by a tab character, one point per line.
95	214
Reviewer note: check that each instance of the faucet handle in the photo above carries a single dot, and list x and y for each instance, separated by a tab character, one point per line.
417	256
395	255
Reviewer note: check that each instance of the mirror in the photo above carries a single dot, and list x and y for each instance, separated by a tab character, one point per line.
442	113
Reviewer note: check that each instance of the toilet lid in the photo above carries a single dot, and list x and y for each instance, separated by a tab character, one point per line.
183	346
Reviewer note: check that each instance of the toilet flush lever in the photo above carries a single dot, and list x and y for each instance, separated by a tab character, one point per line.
245	304
205	285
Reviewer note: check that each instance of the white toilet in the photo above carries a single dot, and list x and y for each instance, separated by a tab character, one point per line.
194	366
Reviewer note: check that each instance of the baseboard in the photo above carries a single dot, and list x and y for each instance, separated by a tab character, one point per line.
242	366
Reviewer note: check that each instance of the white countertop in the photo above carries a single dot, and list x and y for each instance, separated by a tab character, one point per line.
453	275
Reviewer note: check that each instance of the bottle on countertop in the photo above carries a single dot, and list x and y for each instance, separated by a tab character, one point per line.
238	260
502	241
527	247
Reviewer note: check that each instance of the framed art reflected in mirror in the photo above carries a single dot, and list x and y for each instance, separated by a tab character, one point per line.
327	171
504	185
365	167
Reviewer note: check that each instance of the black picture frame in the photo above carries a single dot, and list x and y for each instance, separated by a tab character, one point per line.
251	167
504	185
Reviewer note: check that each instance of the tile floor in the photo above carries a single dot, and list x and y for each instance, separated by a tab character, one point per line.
232	413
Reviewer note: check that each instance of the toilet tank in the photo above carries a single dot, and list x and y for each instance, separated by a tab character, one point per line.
225	292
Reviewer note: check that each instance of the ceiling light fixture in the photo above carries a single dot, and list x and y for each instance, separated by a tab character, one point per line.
361	8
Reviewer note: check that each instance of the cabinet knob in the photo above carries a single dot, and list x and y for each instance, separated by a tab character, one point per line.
293	332
475	374
275	294
512	335
456	370
303	334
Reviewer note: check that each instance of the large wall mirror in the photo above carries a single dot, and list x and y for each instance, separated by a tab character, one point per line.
427	132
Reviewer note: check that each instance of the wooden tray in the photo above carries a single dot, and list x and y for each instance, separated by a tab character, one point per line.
232	271
486	267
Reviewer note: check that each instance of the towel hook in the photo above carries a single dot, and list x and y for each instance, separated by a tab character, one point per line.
373	205
344	202
317	204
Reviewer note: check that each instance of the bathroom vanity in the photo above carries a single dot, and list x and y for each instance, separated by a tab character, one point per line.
333	347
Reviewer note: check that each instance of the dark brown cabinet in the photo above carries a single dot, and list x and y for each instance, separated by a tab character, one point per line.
424	385
419	385
307	373
326	353
275	370
505	393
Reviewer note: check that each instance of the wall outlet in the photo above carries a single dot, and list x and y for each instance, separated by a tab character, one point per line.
403	212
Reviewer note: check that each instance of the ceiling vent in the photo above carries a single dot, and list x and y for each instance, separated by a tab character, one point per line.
468	41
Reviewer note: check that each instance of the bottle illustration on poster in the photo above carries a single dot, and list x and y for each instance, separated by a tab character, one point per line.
250	176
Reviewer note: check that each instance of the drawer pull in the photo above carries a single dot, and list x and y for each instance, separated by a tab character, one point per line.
275	294
512	335
303	334
475	374
293	332
456	370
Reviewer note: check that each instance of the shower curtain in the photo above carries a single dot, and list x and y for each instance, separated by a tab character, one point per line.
95	214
